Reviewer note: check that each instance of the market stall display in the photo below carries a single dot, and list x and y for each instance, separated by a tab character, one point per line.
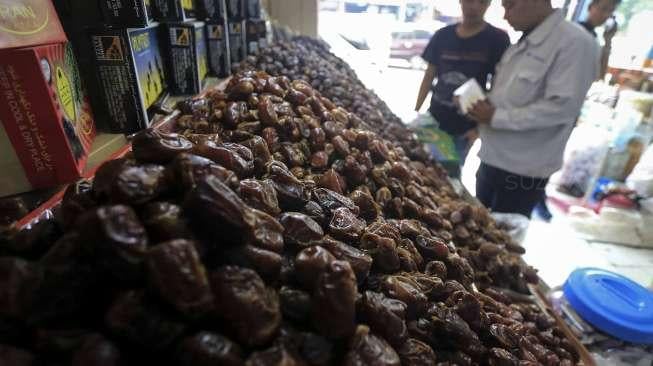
273	229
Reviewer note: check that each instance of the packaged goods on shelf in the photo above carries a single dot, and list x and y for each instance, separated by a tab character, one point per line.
173	10
236	10
255	31
217	40
130	74
126	13
186	56
211	9
237	44
253	9
46	124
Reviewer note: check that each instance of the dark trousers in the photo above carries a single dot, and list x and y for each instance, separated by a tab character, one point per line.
502	191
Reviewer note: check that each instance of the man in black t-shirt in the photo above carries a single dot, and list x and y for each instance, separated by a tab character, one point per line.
599	12
455	54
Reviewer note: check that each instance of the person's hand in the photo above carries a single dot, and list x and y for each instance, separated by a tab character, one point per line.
471	136
610	32
482	112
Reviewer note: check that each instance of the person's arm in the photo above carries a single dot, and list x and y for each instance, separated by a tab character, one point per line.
425	87
606	50
566	85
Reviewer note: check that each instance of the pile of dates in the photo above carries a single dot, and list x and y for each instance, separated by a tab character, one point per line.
309	59
269	229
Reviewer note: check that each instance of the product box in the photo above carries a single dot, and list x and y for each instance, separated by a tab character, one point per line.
255	35
211	9
173	10
186	56
218	47
47	125
25	23
129	72
253	9
127	13
237	45
236	10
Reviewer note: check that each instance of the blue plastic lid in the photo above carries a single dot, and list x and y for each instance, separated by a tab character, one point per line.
612	303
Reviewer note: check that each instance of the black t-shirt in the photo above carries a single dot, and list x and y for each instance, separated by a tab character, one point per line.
457	60
589	27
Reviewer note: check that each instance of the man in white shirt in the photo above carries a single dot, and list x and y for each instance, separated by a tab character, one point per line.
537	93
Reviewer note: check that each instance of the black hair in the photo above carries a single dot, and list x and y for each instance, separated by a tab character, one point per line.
595	2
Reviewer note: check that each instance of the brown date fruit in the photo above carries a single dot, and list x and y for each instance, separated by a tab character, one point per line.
369	210
366	349
208	349
300	229
234	157
213	202
175	271
416	353
133	318
139	184
260	195
263	230
290	190
76	200
265	262
432	248
188	170
359	260
344	225
408	291
330	201
152	146
267	113
274	356
333	307
295	304
15	356
164	221
271	137
243	301
97	351
385	316
383	250
119	240
310	263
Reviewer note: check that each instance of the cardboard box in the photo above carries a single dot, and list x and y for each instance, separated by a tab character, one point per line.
129	71
237	45
127	13
25	23
211	9
218	47
236	10
186	56
174	10
47	123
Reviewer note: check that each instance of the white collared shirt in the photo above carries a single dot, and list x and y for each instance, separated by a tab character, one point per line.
538	90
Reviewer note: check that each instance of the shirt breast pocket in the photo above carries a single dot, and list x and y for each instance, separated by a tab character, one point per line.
528	83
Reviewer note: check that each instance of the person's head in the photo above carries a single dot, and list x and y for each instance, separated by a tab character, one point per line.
474	10
600	10
524	15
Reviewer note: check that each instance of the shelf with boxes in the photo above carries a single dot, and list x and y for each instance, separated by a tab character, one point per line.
108	66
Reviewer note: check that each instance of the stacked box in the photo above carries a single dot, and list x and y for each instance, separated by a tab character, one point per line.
218	48
187	56
211	9
253	9
256	33
236	10
174	10
237	43
130	72
126	13
46	124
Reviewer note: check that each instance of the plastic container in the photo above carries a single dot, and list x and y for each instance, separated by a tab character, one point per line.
611	303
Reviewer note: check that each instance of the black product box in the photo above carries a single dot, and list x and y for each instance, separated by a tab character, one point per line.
237	46
253	9
173	10
127	13
186	55
129	72
218	45
211	9
236	10
253	28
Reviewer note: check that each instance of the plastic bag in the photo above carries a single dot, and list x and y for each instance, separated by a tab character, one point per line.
515	224
641	178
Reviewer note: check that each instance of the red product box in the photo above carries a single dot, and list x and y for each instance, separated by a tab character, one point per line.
48	125
26	23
